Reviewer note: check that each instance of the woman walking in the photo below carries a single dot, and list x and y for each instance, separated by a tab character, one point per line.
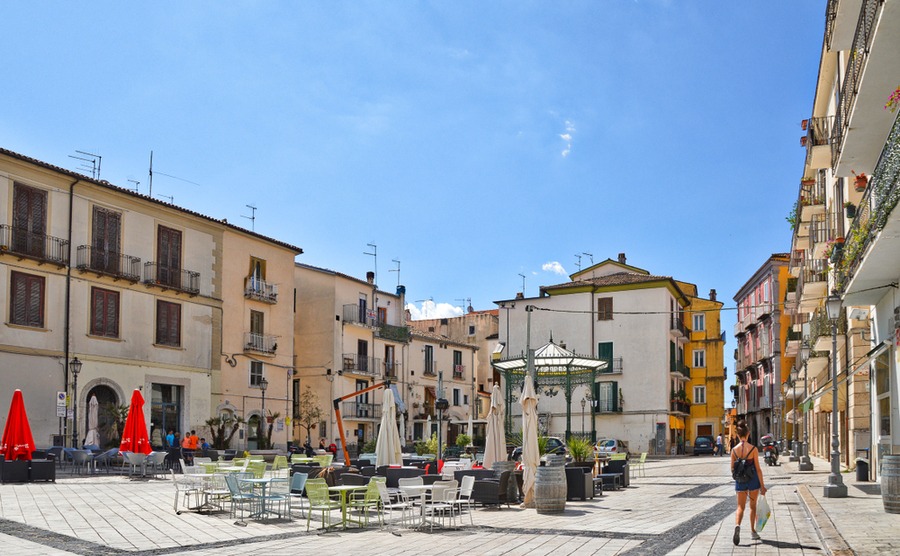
748	480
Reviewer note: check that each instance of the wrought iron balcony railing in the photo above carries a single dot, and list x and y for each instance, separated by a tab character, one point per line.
361	364
360	410
613	366
263	343
33	245
392	369
119	265
393	333
167	277
260	290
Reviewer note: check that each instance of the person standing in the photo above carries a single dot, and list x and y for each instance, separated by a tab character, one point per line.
170	439
750	488
720	447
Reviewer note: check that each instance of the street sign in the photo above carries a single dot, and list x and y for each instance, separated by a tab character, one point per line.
60	399
60	411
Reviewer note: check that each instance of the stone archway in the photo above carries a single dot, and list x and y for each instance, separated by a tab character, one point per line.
107	398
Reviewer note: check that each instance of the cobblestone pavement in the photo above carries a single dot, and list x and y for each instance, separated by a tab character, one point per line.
683	506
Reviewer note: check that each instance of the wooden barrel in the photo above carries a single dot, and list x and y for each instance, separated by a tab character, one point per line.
550	486
890	483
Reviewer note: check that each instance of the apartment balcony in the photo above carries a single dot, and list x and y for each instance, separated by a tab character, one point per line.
260	290
792	343
873	240
679	370
680	406
169	278
814	284
821	232
360	410
812	199
392	333
841	17
764	309
429	371
680	330
818	143
108	263
738	329
392	369
31	245
361	364
796	263
459	372
613	366
260	343
353	314
861	123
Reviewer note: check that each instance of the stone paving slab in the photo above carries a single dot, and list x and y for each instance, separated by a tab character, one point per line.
682	506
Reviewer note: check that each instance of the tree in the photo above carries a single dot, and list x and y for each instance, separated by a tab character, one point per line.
309	414
222	430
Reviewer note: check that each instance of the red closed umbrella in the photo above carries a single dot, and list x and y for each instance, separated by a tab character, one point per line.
17	440
134	437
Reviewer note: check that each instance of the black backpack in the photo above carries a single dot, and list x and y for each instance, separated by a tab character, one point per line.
743	469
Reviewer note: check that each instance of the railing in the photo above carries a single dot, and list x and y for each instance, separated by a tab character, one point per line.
830	16
260	290
108	262
679	326
680	368
263	343
459	371
680	406
392	369
613	366
165	276
813	194
859	52
20	241
355	314
393	333
429	371
818	134
815	270
360	410
361	364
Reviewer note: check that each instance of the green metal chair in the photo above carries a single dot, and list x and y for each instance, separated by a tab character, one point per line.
320	500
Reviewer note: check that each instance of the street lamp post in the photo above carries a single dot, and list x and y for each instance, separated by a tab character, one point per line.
75	367
835	487
263	384
583	403
805	463
441	404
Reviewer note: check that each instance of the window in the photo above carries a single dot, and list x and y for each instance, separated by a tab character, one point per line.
169	252
256	373
105	234
699	394
429	360
362	355
26	306
882	370
382	315
29	220
606	396
699	322
457	364
605	308
456	395
699	358
168	324
471	330
104	313
257	270
605	353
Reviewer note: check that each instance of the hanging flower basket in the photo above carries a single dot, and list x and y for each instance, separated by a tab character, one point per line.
850	209
860	182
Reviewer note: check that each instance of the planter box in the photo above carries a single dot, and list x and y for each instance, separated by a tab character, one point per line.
13	471
42	470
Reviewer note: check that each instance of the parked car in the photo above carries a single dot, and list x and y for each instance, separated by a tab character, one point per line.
704	445
607	446
554	446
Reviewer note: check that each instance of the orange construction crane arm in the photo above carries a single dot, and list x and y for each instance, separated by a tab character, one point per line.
340	421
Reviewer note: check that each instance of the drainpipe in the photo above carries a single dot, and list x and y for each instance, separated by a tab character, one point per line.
64	422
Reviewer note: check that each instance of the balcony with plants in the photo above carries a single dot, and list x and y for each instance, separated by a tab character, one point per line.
108	263
680	403
812	197
260	343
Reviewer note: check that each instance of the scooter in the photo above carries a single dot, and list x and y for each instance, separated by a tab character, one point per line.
769	449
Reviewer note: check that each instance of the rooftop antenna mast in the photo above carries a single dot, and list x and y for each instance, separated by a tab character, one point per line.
467	304
137	185
171	198
589	255
397	270
523	284
151	174
252	218
374	254
94	160
150	193
578	262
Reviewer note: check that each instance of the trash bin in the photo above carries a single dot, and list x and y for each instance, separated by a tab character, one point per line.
862	469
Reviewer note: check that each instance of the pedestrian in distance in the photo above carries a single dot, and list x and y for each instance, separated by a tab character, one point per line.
720	447
748	479
170	439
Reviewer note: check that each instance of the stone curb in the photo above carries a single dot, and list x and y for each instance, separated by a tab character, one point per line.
832	541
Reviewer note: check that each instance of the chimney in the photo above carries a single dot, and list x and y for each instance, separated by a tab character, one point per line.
712	295
520	295
622	258
370	277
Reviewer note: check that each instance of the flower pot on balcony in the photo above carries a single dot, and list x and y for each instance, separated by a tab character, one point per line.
808	181
803	141
804	124
861	182
836	253
850	210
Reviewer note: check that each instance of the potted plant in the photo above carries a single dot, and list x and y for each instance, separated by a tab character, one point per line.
803	141
804	124
893	101
861	181
834	249
850	209
807	181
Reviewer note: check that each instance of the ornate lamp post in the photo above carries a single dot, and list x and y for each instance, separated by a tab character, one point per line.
835	487
583	403
263	384
75	367
805	463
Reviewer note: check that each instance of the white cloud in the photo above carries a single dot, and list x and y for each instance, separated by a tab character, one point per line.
432	310
554	267
567	137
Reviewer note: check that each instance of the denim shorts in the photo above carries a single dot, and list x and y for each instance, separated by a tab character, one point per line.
753	484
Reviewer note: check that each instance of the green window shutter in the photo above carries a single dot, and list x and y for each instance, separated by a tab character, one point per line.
605	353
614	392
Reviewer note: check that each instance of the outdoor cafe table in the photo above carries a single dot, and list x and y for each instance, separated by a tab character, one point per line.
262	484
201	481
345	491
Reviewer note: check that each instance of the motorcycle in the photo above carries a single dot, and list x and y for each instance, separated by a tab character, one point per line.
769	449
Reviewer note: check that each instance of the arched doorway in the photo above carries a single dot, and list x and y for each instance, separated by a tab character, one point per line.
107	402
253	432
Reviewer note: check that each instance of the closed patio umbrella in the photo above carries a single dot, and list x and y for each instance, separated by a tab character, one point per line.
387	445
93	434
17	441
427	429
134	436
531	456
495	442
402	432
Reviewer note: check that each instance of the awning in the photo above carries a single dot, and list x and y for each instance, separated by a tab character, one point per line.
791	416
676	422
825	401
794	393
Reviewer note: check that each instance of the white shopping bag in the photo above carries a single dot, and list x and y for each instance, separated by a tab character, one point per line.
763	512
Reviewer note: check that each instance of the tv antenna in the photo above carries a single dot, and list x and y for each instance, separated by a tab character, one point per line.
166	175
374	254
578	263
94	160
171	198
467	304
397	270
589	255
523	283
136	185
252	218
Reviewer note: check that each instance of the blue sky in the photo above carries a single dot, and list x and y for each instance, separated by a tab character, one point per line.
472	141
